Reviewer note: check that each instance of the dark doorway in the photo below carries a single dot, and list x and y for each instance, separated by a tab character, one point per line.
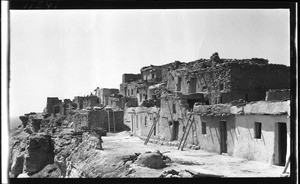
206	102
220	99
179	84
282	143
175	130
191	102
223	137
246	97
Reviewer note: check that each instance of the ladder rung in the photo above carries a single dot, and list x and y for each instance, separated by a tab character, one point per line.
187	134
150	133
184	131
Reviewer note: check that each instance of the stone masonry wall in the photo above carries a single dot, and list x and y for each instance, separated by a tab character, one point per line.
250	82
215	83
51	102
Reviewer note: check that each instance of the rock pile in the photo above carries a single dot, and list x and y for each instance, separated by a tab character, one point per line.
151	160
175	174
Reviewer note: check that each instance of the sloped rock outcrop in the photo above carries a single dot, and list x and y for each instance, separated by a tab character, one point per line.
17	164
24	120
50	171
17	150
39	153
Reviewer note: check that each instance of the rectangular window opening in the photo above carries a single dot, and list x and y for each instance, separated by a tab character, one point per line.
257	130
146	121
221	87
179	84
174	108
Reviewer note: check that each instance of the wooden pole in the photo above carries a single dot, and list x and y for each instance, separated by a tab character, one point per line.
286	165
108	121
184	132
187	134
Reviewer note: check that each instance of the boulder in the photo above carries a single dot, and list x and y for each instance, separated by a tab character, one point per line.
39	153
50	171
185	174
17	165
151	160
23	175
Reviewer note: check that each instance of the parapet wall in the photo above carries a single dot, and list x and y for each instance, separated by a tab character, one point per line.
273	95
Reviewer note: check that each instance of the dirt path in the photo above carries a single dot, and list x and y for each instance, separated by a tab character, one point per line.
198	160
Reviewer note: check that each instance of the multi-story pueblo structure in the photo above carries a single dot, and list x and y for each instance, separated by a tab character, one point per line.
237	107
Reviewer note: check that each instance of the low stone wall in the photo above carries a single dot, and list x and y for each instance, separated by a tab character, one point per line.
273	95
94	119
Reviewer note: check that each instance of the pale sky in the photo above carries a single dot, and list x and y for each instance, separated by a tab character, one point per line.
67	53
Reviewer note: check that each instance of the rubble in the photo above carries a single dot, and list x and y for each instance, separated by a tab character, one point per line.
151	160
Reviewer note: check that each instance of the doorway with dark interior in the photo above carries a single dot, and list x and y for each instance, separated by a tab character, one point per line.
223	137
191	103
175	130
282	143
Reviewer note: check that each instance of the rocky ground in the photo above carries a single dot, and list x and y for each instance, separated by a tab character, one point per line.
63	153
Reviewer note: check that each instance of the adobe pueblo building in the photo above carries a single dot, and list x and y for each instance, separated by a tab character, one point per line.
236	107
227	106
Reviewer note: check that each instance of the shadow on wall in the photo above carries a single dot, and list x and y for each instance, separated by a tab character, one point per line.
125	128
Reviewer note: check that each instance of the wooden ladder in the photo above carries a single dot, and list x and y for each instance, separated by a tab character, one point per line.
151	131
186	132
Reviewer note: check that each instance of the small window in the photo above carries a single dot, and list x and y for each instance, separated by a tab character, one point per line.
132	91
174	108
221	87
203	126
257	130
153	76
183	128
179	84
146	121
204	87
137	122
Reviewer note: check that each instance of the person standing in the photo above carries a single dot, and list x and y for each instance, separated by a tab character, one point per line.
99	132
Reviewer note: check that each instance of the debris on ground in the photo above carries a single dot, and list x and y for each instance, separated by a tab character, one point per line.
131	158
170	174
165	158
185	174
